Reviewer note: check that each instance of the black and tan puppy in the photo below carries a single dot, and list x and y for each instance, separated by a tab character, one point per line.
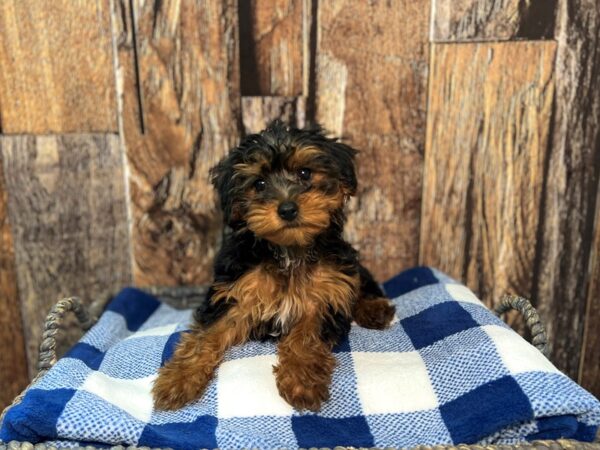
284	271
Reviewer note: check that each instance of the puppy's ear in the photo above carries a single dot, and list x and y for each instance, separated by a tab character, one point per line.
221	177
345	158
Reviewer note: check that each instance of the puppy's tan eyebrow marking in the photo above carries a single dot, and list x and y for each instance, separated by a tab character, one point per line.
254	168
302	156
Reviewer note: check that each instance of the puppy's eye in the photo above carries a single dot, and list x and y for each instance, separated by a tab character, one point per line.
304	174
260	185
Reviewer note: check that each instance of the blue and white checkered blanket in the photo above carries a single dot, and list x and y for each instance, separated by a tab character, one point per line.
446	372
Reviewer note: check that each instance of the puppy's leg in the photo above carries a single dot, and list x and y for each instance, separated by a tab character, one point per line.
185	377
372	309
305	365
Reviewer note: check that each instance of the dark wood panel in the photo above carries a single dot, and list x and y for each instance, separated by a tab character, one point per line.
181	113
13	363
572	182
589	369
271	47
493	20
371	88
68	215
57	67
487	147
257	112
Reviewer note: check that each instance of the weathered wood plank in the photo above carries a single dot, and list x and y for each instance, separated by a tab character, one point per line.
571	187
57	67
492	20
589	369
257	112
13	364
185	118
271	47
371	88
68	214
487	146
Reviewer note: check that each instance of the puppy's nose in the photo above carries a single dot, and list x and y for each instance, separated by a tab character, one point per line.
288	210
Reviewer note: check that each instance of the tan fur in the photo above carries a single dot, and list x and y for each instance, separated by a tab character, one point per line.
315	209
373	313
265	294
185	377
299	302
302	157
306	365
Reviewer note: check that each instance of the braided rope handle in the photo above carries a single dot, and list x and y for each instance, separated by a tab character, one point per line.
532	318
54	320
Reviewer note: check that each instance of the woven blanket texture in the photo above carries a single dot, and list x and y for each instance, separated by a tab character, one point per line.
446	372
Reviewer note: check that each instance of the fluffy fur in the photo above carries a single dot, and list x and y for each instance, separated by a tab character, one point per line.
293	279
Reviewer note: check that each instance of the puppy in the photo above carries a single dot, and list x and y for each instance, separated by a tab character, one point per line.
284	271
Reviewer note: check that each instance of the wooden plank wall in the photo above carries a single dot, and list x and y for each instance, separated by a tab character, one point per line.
478	125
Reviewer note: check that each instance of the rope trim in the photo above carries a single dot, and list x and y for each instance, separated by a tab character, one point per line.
532	318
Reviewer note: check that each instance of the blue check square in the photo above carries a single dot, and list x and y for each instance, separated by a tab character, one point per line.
436	323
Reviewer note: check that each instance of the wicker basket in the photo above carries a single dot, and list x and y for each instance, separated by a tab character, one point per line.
188	297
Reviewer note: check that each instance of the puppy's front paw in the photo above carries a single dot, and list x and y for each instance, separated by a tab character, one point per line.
374	313
306	391
176	387
302	396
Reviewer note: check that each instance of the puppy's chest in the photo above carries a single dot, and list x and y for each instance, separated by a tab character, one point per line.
277	300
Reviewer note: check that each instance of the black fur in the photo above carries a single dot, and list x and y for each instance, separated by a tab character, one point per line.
242	250
275	144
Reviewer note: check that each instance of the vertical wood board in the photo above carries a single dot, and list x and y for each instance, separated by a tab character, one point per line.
257	112
487	147
572	183
179	87
271	47
57	67
492	20
13	363
371	82
68	215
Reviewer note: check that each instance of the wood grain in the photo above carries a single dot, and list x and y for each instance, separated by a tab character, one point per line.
589	368
68	215
13	363
371	88
572	183
271	47
492	20
487	148
57	67
257	112
179	95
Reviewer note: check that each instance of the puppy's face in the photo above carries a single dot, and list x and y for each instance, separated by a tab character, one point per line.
286	185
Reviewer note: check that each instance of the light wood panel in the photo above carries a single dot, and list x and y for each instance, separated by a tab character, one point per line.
371	81
271	47
57	67
257	112
68	215
487	150
492	20
572	182
13	363
179	76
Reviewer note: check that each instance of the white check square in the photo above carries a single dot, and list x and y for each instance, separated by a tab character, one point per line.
132	396
393	382
246	388
518	355
462	294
